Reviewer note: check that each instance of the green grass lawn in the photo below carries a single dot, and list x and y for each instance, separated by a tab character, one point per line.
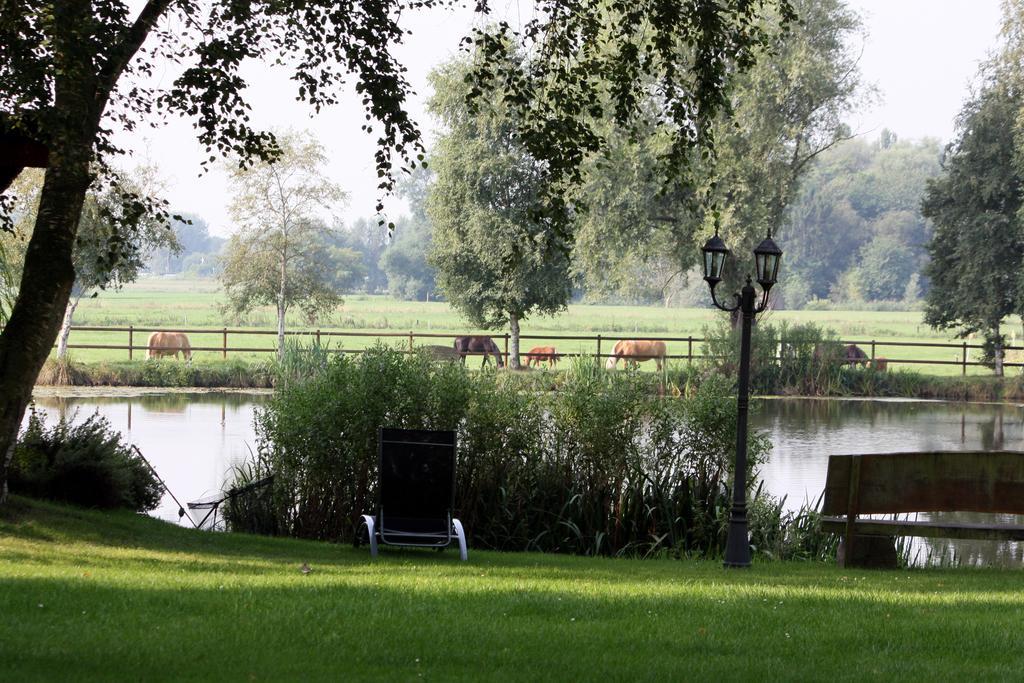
115	596
179	303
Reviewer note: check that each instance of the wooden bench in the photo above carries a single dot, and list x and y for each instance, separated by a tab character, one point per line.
897	483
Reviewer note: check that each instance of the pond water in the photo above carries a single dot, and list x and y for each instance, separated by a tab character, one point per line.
804	432
194	439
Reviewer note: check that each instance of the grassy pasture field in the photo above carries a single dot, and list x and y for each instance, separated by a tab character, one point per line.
87	596
181	303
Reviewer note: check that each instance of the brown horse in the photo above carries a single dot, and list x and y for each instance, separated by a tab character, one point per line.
168	344
478	345
854	355
851	354
634	351
540	354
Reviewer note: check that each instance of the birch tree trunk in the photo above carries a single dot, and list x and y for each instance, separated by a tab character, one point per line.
513	351
282	307
65	327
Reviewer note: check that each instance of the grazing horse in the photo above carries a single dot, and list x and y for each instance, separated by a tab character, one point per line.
478	345
851	354
854	355
539	354
880	363
168	344
633	351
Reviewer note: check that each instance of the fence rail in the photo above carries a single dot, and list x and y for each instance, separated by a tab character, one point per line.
870	346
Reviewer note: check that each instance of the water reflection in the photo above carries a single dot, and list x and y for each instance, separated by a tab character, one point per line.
804	432
192	439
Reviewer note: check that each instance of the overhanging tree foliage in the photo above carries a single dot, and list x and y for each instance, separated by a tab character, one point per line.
783	113
71	72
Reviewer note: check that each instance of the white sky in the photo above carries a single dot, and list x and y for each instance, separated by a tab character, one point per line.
921	54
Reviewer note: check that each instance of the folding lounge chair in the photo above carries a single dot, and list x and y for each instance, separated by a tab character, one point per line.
417	492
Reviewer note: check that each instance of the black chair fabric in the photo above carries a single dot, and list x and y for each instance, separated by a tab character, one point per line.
417	480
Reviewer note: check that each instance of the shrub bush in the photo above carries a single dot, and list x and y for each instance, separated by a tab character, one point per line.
86	464
809	362
600	467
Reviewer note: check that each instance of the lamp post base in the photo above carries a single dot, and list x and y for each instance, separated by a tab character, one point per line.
737	544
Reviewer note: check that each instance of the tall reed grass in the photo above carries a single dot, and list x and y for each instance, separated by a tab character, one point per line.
601	467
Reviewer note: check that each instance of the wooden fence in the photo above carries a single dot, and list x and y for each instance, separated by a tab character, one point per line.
601	343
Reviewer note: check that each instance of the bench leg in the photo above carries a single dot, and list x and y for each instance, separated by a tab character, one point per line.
869	552
370	523
461	534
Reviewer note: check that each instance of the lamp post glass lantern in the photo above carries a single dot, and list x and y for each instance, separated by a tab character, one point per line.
767	257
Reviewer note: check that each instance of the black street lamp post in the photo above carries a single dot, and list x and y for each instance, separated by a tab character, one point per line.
767	256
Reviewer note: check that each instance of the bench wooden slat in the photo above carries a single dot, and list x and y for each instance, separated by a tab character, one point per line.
972	481
889	527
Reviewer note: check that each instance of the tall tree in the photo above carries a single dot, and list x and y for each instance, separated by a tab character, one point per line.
72	72
789	108
978	246
497	256
280	254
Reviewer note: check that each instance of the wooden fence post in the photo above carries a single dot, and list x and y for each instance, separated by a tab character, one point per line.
410	343
318	337
224	353
689	350
598	350
963	362
872	353
131	340
506	349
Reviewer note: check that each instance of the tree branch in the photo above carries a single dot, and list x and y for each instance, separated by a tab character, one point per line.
131	41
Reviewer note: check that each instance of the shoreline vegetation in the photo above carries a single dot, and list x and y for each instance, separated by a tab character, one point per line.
847	382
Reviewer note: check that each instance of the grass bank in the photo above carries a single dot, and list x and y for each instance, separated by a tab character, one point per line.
116	596
228	374
254	374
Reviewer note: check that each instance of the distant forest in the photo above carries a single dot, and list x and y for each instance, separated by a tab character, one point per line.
856	234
